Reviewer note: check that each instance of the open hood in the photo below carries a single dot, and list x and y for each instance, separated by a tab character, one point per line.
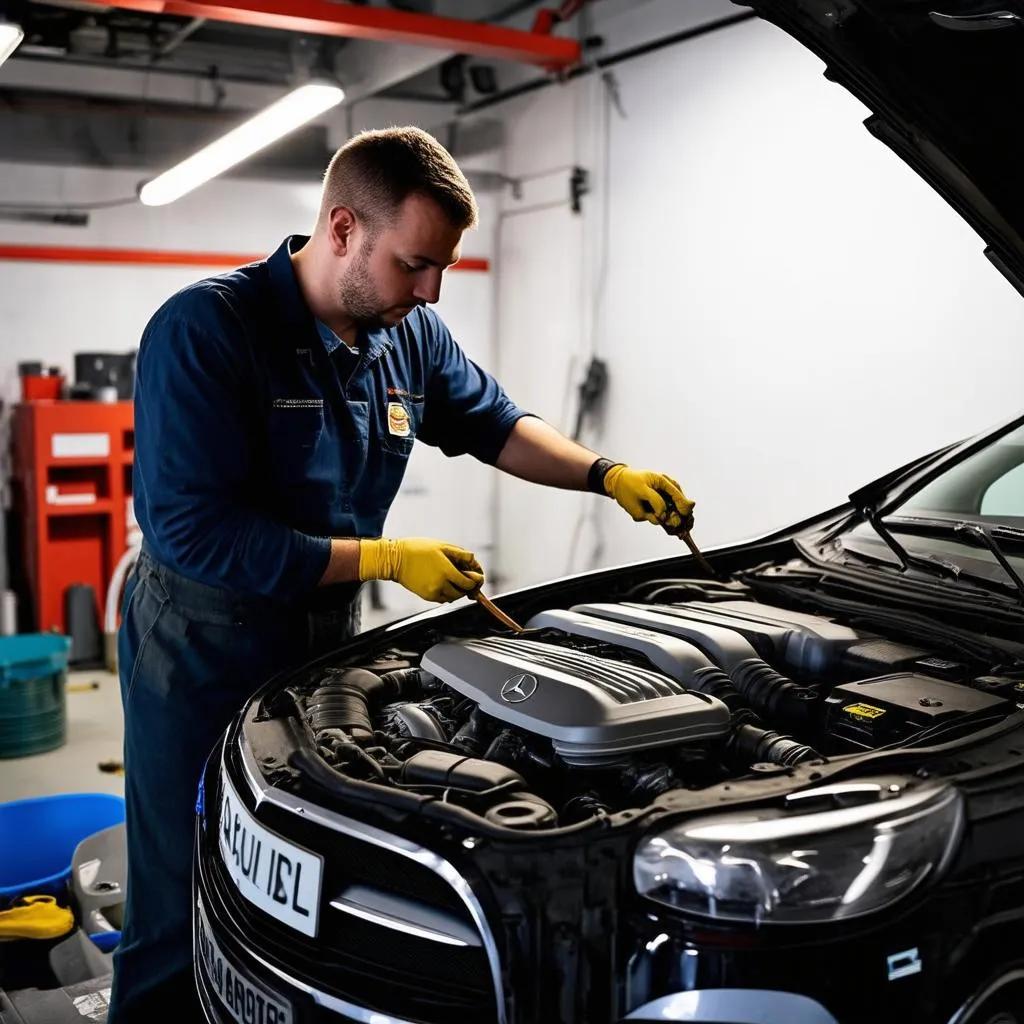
945	82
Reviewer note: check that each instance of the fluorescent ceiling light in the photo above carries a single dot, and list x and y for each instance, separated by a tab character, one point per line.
280	118
10	36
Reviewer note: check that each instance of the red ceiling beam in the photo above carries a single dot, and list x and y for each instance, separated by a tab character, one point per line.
160	257
379	24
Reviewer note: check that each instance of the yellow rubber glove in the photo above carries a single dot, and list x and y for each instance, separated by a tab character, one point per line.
642	494
431	569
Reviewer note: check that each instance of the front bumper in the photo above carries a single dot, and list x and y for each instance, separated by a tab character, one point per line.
252	969
233	994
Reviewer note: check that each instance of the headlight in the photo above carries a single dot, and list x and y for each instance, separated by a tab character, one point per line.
795	865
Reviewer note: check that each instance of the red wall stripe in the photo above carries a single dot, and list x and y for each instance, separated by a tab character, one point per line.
158	257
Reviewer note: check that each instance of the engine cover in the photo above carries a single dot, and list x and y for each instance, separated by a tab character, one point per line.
594	710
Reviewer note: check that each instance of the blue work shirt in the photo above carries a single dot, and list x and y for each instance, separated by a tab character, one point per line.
259	435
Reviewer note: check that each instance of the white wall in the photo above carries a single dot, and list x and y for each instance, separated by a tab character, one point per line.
787	310
50	311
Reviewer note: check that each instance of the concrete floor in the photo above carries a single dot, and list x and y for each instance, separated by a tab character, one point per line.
94	732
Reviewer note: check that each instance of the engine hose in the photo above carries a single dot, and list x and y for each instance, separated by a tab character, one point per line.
754	745
341	748
648	781
408	680
472	736
714	682
344	702
582	808
764	689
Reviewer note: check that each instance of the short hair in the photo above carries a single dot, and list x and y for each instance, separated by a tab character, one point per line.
377	170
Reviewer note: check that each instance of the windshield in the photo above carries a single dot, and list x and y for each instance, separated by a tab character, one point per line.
987	487
967	524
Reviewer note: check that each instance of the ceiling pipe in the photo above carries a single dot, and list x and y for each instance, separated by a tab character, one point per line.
379	24
180	36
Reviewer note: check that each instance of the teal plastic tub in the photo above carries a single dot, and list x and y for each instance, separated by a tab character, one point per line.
33	702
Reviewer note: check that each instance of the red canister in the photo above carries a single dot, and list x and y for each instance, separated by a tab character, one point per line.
39	383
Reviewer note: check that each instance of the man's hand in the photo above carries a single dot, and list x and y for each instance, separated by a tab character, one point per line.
643	495
429	568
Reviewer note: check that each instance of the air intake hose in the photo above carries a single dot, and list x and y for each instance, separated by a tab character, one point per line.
344	701
409	680
714	682
764	689
753	745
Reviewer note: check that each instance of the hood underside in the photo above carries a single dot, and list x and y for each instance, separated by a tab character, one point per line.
945	82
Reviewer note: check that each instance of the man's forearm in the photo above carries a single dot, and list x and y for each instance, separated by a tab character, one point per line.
537	452
344	564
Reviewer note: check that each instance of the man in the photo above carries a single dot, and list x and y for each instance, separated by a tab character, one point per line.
276	407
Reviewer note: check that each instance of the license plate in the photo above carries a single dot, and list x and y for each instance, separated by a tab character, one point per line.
246	1001
277	876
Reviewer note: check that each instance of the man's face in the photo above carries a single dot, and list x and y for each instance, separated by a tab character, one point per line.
389	275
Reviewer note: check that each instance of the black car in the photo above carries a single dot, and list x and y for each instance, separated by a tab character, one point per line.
789	791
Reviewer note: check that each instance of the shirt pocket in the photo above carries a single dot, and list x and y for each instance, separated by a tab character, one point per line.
295	428
402	417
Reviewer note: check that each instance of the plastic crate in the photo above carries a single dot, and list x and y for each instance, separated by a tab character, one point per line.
38	838
33	703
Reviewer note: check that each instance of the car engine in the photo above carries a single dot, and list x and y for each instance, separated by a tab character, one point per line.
603	707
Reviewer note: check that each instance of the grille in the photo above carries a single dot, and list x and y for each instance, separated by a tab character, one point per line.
369	964
351	861
382	949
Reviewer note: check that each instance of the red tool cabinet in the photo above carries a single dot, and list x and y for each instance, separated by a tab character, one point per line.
72	471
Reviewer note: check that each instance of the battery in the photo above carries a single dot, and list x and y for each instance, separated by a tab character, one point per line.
891	709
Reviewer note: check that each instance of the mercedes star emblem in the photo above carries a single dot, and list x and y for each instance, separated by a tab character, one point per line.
518	688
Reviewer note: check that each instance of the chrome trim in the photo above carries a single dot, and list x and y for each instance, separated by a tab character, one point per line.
838	790
910	806
976	22
405	915
961	1016
396	844
328	1002
737	1005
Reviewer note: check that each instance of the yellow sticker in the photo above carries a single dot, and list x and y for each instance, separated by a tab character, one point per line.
864	711
398	420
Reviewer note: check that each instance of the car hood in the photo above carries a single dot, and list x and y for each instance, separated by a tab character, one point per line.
945	82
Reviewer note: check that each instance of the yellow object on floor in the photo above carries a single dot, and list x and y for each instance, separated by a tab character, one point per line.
36	917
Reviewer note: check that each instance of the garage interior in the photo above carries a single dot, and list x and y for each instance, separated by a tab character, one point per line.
691	255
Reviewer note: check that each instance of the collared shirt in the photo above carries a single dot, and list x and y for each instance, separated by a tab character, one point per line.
259	435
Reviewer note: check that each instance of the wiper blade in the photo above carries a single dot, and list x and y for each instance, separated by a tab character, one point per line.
986	537
942	524
937	567
914	626
989	603
979	532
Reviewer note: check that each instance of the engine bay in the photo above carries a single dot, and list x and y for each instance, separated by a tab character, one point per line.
602	707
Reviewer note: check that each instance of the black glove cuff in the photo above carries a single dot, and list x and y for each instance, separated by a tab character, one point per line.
598	471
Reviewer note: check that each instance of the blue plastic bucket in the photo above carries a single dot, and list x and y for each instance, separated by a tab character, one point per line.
38	838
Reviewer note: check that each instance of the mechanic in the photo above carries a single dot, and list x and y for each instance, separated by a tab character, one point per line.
275	410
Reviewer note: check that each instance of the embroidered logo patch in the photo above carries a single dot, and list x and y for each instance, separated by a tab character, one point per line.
398	420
